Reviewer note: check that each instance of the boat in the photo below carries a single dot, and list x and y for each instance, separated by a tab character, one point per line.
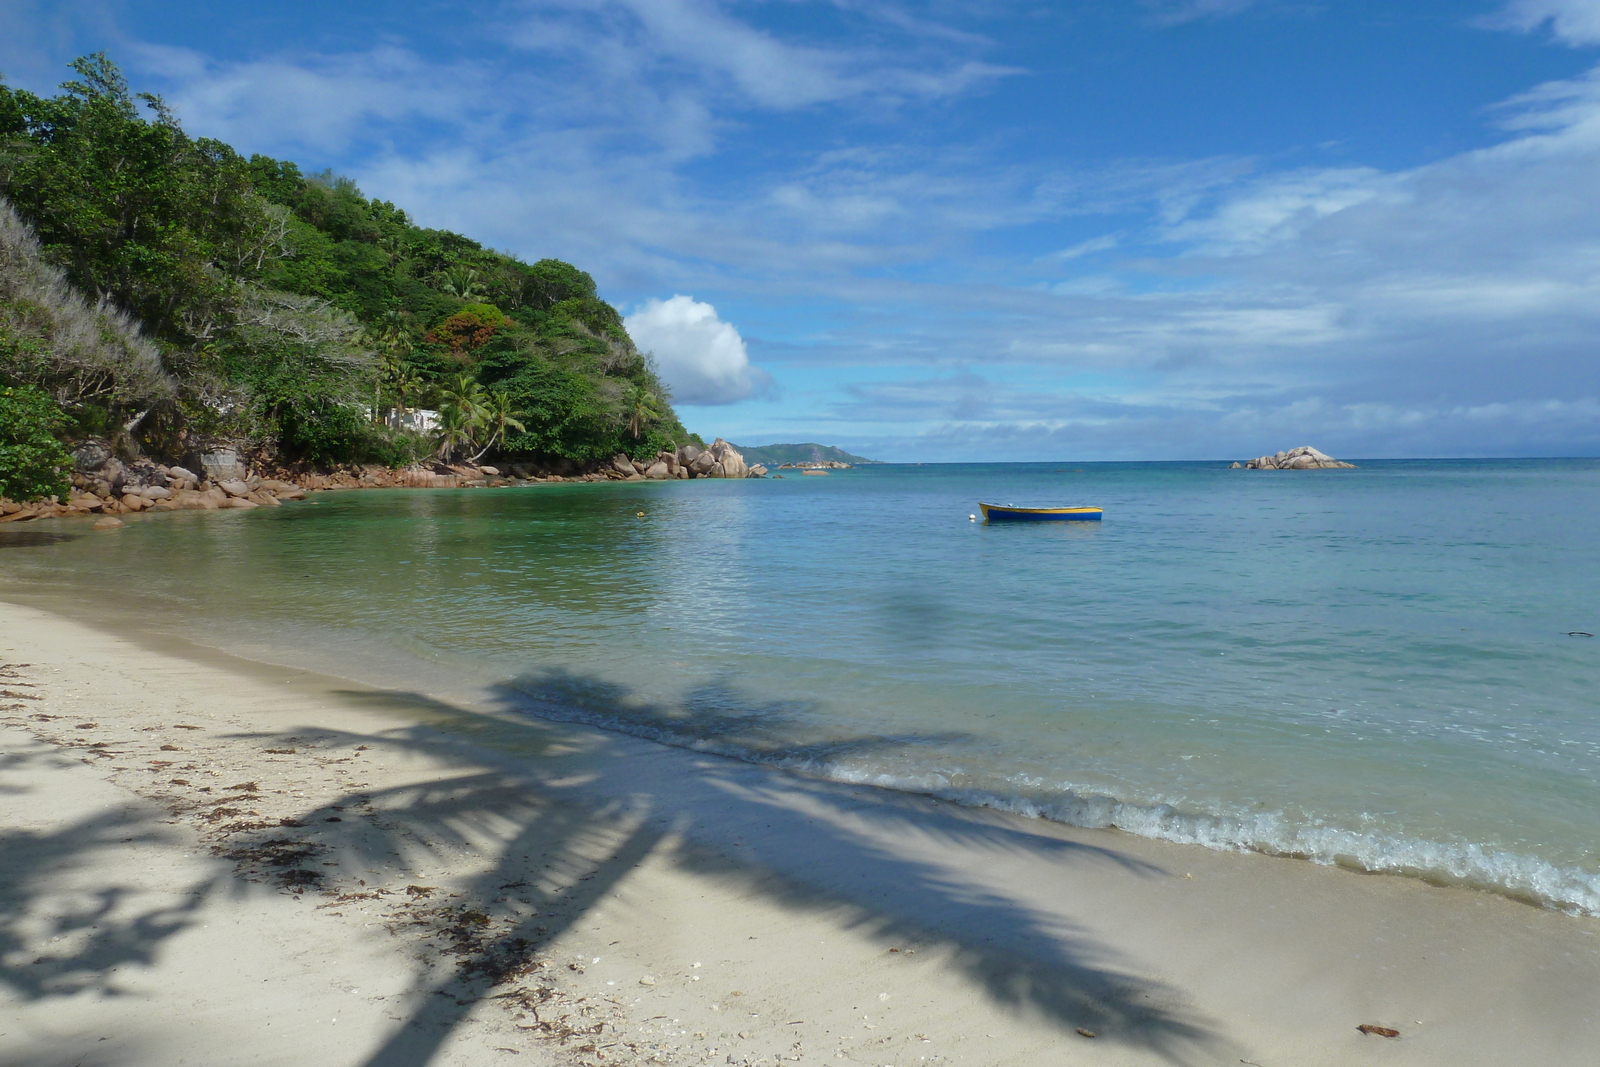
1009	513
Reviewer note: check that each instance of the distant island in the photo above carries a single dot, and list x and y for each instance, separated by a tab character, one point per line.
810	452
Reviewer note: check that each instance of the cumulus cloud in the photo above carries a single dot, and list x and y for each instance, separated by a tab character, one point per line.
701	358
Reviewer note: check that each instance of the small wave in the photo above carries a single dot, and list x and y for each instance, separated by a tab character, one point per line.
1525	878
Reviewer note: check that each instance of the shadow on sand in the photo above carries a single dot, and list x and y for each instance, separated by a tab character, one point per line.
575	818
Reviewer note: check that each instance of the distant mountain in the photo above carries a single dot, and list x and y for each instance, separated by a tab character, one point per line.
774	455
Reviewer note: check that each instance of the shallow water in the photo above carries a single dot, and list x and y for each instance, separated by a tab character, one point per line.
1369	667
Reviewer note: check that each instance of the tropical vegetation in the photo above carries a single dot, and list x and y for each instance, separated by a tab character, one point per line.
33	463
165	291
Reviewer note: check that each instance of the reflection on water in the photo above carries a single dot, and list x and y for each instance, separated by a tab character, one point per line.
26	537
1367	664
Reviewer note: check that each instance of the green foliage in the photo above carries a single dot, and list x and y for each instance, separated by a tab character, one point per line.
468	329
488	314
52	338
134	208
299	365
642	408
497	418
33	463
290	308
462	410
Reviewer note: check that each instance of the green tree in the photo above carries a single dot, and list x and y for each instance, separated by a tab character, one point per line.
404	381
33	463
238	279
497	418
643	409
463	409
452	433
463	283
134	209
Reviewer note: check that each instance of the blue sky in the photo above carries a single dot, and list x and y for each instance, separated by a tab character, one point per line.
953	230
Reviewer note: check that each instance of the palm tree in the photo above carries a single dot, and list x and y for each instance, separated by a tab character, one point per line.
463	410
453	432
467	395
642	408
393	249
392	336
497	416
403	381
464	283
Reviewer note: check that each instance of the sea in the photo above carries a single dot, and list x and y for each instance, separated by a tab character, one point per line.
1386	668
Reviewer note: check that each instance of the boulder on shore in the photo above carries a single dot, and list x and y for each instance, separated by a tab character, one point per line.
725	461
222	464
1304	458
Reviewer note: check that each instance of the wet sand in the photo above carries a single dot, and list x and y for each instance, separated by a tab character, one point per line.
205	859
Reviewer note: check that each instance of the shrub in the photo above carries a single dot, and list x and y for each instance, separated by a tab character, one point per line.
33	464
468	329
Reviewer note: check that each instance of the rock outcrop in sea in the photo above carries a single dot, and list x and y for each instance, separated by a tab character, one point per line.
1304	458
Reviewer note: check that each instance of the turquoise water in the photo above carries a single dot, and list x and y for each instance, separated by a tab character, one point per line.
1366	667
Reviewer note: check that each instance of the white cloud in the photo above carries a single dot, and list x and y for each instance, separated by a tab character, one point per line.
1573	22
699	41
1277	207
1176	12
313	101
701	358
1103	243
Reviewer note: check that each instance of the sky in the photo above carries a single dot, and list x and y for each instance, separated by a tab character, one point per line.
954	230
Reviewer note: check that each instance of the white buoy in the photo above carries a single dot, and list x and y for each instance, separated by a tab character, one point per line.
972	518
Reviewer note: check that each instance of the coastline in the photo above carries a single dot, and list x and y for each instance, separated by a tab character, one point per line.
103	487
641	861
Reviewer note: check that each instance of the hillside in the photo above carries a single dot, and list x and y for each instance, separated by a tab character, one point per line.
162	291
774	455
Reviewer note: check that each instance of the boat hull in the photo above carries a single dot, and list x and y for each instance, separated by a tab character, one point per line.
1006	513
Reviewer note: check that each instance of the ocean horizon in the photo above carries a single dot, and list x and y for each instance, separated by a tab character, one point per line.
1380	668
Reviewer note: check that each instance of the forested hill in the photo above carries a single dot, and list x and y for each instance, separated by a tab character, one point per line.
177	291
773	455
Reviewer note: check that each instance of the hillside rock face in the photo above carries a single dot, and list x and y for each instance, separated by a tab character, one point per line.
1304	458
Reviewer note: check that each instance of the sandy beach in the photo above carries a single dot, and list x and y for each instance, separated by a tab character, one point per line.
209	860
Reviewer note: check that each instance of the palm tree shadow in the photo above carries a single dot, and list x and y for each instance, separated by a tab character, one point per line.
715	716
57	942
808	844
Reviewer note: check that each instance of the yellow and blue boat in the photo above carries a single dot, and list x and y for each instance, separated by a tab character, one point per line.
1008	513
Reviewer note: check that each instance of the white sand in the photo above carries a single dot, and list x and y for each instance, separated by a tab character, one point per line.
830	924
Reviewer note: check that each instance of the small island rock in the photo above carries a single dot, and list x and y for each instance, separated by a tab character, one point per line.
1304	458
